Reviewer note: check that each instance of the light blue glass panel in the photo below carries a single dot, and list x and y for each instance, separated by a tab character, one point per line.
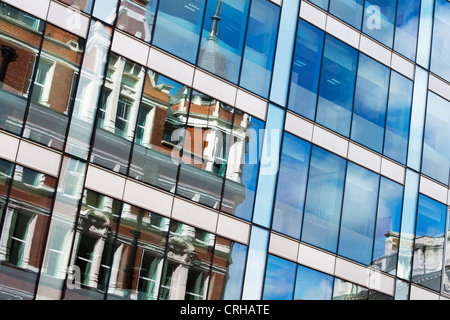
260	47
440	63
409	211
429	243
350	11
337	86
291	188
407	28
398	118
390	204
324	199
417	118
306	70
379	19
270	160
256	264
358	214
280	278
223	37
436	145
369	112
321	3
425	33
178	27
312	285
106	10
285	48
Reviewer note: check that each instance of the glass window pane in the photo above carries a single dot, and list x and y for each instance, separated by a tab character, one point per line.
88	92
137	18
185	275
205	149
398	117
324	199
117	114
223	37
379	19
280	278
228	273
306	70
407	28
312	285
388	226
350	11
321	3
138	255
291	188
429	243
337	85
93	248
256	264
357	226
260	47
345	290
106	10
178	26
83	5
21	39
242	169
54	87
159	132
6	169
25	221
436	146
369	112
440	64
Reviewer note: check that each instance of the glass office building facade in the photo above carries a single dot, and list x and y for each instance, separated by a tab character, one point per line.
224	149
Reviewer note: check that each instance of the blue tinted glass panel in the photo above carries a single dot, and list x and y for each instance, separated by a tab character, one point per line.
321	3
345	290
407	28
436	146
270	161
324	199
178	27
369	111
223	40
440	63
349	11
388	226
429	243
398	117
239	194
409	211
425	33
312	285
337	86
280	278
227	283
379	19
358	214
306	70
260	47
256	264
288	213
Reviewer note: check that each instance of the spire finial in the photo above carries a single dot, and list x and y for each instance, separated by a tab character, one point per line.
215	20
